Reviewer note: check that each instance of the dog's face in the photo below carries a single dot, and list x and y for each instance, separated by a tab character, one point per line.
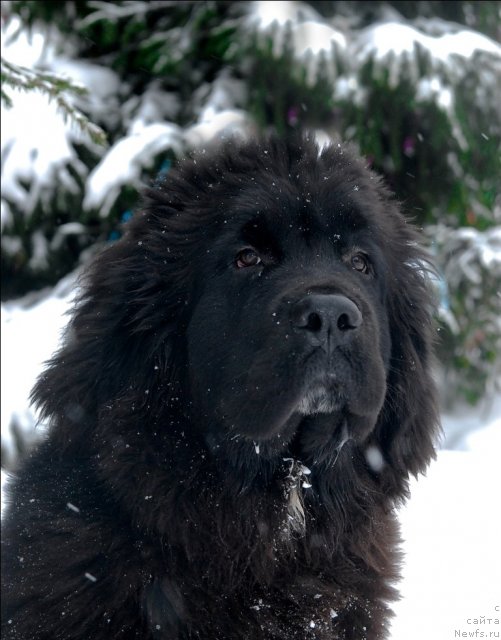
269	293
290	318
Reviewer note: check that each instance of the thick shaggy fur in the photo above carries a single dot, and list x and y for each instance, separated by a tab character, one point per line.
242	394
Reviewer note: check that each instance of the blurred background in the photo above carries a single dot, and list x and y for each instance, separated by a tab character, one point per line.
101	98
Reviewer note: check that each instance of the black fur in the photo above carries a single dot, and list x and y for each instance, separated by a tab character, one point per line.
169	500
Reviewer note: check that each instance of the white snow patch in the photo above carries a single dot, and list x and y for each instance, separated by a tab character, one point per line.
224	94
23	48
154	105
451	528
315	37
429	89
266	14
485	244
300	27
4	479
374	458
102	84
224	124
31	332
6	216
35	154
468	428
36	143
396	38
125	161
64	230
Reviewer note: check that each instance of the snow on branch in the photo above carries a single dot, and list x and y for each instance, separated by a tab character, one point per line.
55	88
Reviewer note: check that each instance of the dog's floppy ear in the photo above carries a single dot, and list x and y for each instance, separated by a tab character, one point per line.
123	326
408	424
135	302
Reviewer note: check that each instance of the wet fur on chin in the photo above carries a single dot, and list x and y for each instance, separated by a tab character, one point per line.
196	484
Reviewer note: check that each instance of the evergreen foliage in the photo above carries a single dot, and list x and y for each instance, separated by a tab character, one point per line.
178	73
56	88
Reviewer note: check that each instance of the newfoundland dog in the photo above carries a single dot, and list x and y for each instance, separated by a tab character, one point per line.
241	396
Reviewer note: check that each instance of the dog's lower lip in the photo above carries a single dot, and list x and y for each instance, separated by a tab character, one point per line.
322	395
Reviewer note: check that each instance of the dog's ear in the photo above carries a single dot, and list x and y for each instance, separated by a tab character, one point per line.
124	325
128	325
408	425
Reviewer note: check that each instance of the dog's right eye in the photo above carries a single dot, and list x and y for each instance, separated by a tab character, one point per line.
247	258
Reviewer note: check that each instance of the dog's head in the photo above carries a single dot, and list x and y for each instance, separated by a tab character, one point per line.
265	287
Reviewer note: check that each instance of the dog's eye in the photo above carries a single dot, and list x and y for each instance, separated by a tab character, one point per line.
360	262
247	258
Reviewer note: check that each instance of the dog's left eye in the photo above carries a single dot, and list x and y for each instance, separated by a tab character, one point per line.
360	262
247	258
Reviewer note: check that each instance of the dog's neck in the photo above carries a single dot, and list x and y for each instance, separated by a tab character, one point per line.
297	483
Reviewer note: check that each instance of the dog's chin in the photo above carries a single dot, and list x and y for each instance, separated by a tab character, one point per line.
320	398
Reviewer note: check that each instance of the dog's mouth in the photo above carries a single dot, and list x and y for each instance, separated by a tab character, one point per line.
319	439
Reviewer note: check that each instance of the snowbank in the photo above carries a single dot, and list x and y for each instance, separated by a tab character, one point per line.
31	330
452	529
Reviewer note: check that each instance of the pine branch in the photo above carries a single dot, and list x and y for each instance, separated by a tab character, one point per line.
114	11
55	88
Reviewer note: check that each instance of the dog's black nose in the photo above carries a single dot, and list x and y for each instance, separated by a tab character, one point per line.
326	318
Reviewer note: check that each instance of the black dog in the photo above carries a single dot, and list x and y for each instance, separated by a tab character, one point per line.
243	392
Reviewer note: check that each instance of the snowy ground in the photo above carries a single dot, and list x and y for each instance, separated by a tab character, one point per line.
452	532
451	526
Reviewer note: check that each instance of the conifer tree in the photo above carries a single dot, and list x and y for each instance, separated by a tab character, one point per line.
413	85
